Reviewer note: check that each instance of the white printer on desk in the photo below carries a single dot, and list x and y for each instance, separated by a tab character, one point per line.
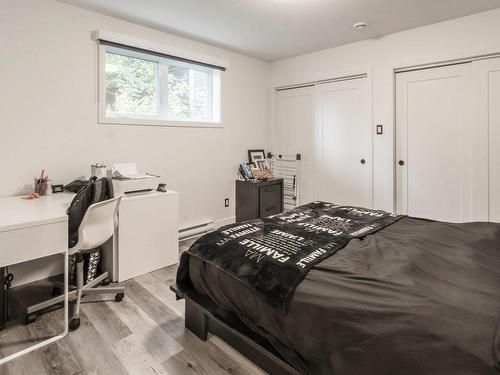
127	180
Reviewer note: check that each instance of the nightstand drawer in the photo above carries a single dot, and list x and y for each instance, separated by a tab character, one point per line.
270	195
272	209
258	199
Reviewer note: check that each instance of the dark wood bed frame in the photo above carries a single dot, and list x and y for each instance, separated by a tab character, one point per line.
203	316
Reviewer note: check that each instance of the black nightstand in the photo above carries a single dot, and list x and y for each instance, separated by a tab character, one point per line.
258	199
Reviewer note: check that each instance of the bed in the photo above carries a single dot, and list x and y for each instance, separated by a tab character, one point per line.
411	297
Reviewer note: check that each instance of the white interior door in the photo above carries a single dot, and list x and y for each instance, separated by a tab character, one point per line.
295	133
433	143
487	75
344	118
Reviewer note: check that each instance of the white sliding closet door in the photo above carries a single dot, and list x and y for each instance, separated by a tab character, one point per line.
295	133
487	76
344	119
433	143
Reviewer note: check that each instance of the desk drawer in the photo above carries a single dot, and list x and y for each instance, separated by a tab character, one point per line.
20	245
269	195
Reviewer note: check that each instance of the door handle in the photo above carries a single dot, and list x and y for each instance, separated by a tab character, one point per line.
363	161
401	162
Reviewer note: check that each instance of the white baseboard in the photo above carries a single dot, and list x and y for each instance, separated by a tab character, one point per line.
37	269
226	221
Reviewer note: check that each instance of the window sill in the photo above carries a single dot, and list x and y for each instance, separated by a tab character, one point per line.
160	123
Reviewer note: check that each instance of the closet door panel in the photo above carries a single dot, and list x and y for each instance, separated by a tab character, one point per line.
433	151
494	142
487	78
344	117
295	133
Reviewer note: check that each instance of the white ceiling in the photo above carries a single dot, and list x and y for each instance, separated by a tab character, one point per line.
276	29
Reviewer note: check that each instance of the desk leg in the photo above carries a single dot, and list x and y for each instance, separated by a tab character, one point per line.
52	339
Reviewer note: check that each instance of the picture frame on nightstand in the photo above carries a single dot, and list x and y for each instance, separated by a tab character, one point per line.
254	155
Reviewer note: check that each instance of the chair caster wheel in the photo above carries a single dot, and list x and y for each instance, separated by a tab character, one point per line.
56	292
119	297
106	281
30	318
74	324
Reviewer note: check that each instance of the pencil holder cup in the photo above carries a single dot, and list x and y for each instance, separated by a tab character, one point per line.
41	187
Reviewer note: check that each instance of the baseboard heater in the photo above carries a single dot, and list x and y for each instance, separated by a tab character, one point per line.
196	230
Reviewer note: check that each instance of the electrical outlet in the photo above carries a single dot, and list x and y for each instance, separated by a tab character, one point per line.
226	202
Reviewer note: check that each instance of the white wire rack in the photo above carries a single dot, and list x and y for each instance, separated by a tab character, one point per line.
287	167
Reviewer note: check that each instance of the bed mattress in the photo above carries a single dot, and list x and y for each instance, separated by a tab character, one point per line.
418	297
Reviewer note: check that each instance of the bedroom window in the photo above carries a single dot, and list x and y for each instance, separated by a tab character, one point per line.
147	88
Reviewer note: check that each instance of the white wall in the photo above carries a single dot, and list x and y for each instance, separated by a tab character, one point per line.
48	111
48	106
464	37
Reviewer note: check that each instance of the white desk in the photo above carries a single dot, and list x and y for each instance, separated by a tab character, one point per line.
147	236
33	229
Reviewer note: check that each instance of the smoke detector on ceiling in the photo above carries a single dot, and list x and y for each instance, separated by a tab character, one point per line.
359	26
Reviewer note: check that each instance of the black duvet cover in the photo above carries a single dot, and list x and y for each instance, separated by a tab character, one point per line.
418	297
272	255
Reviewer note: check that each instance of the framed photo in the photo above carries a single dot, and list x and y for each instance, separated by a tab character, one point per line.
254	155
261	164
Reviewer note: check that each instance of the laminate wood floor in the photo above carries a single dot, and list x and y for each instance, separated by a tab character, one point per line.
144	334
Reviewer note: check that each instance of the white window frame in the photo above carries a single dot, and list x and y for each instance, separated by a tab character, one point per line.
162	95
